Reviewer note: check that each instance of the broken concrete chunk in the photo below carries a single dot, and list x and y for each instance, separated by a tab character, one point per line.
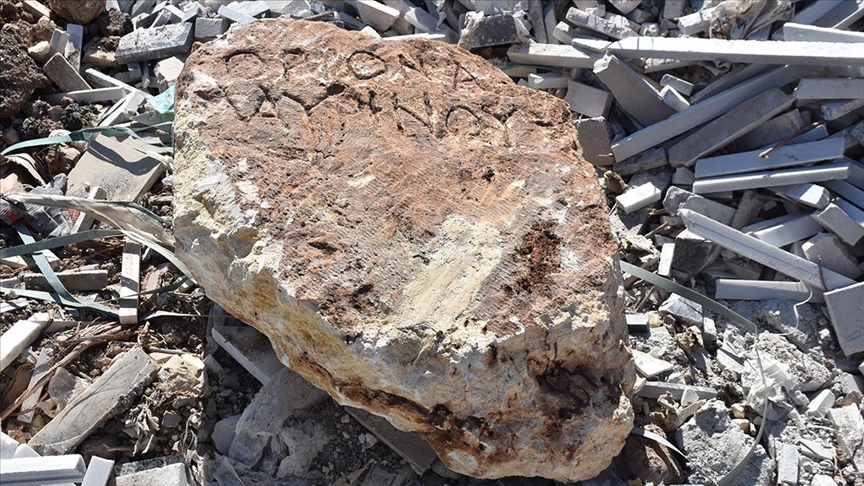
686	311
595	139
155	43
598	24
367	334
552	55
787	465
821	403
377	15
124	173
63	74
287	395
588	100
850	432
717	445
677	198
479	30
174	474
210	28
834	219
632	91
846	309
19	471
825	249
729	127
104	398
167	71
693	253
649	366
638	197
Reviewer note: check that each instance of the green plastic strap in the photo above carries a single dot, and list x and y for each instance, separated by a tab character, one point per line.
53	297
83	135
50	243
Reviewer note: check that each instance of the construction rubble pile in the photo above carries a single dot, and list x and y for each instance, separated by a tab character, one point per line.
726	135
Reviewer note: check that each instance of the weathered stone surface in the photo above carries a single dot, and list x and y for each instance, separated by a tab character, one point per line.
78	11
19	76
416	234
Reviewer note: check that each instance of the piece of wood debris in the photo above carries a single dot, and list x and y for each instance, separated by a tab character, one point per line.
130	283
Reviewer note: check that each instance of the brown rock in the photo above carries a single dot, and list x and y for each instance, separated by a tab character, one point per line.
77	11
19	76
419	236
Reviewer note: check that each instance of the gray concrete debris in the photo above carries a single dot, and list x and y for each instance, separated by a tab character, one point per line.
210	28
715	444
686	311
482	31
846	308
174	474
155	43
287	395
850	432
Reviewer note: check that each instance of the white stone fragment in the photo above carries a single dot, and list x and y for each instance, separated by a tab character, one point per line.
837	221
829	88
376	15
850	431
821	403
88	96
8	445
786	156
130	283
16	339
761	252
826	250
638	197
42	470
555	55
683	177
98	472
788	232
547	81
810	195
598	24
696	23
667	251
705	111
787	465
846	309
797	32
625	6
735	289
649	366
758	180
633	92
853	211
822	480
767	52
815	450
673	99
678	84
587	100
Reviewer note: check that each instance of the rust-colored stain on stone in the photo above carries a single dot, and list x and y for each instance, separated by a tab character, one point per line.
419	235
